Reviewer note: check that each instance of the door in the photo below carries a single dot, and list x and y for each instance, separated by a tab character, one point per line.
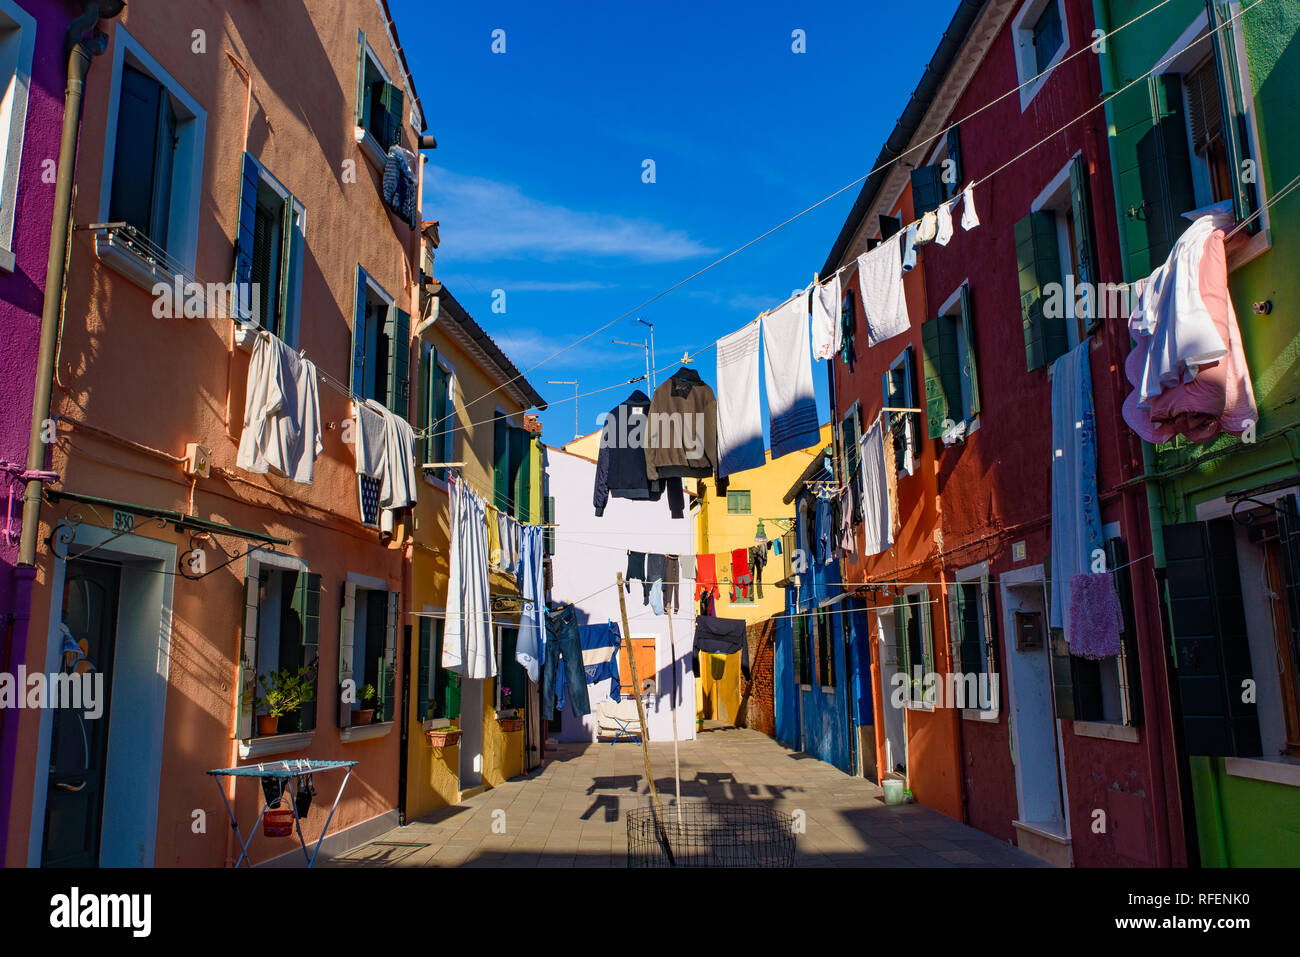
74	805
471	739
1038	779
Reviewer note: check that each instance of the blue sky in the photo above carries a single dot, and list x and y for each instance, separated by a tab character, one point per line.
537	179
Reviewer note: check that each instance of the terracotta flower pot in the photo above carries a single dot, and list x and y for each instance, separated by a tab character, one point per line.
511	724
443	737
362	716
267	725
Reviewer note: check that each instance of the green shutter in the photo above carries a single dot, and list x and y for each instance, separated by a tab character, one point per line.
991	655
359	107
548	518
398	329
1130	673
446	684
954	155
424	404
424	650
246	659
519	473
347	636
1084	244
391	100
1208	622
386	704
968	627
245	227
1245	197
850	450
799	632
358	374
501	463
902	650
928	189
1164	170
926	632
284	309
969	373
306	607
941	366
1038	259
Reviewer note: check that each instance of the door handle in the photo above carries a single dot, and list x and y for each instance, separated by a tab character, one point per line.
71	787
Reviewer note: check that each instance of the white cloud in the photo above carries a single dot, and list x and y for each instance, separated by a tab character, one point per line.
525	285
483	220
526	348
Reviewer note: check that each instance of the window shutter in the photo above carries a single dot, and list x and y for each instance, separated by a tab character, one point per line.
501	464
1165	173
889	225
359	107
386	704
132	192
991	656
927	632
969	609
942	378
398	329
163	166
245	228
306	607
1127	666
548	518
424	404
850	450
1289	540
954	158
1062	674
928	189
1208	622
902	651
425	651
286	302
519	473
1085	247
358	383
347	621
391	99
1245	198
954	623
968	373
1205	105
247	689
1038	259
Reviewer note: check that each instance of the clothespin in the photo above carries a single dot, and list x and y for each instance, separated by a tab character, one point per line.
686	359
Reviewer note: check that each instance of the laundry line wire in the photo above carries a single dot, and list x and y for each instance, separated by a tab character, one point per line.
861	179
1272	200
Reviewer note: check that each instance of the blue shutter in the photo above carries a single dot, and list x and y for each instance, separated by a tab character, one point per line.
358	381
397	328
954	158
245	230
134	152
928	189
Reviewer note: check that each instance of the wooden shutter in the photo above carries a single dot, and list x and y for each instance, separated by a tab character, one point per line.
501	463
968	617
397	327
359	106
1164	171
245	227
991	655
926	632
358	372
548	518
386	704
954	156
850	450
968	372
1208	622
928	189
247	657
1236	130
1127	663
519	473
391	100
306	605
941	367
132	193
1038	258
902	649
347	625
286	301
1084	244
424	651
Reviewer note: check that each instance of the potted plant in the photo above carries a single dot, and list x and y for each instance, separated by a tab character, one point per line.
509	719
443	737
283	692
366	713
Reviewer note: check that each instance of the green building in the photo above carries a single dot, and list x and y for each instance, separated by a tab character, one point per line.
1217	119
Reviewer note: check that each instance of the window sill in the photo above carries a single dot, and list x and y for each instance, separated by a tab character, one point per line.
370	148
975	714
1240	253
1275	770
117	252
432	724
1106	731
828	689
365	732
274	744
7	260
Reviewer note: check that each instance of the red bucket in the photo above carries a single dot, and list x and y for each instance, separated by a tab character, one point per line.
278	822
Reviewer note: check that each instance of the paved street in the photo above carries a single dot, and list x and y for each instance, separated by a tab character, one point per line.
571	812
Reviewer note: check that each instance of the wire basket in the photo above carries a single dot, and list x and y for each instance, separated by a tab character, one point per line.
705	834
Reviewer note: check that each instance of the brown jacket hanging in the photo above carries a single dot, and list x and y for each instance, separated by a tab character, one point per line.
683	428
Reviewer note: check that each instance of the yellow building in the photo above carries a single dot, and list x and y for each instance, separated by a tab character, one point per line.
729	521
468	384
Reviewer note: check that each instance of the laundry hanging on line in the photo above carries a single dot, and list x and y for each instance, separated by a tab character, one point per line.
787	364
281	431
740	420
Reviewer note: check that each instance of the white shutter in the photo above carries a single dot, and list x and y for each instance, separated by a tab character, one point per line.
246	666
347	623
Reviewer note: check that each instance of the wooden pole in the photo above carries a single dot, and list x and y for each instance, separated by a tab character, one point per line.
672	713
645	736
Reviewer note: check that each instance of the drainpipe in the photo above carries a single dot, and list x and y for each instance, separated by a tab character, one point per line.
81	51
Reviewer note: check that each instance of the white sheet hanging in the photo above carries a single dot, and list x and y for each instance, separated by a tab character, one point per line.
880	277
877	519
826	329
787	362
740	420
467	647
281	431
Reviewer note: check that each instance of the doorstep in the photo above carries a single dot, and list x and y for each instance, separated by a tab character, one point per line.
1046	841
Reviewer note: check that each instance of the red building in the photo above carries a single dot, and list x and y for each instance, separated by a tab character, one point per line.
1072	759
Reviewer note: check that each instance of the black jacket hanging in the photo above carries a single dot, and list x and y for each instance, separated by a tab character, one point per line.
621	464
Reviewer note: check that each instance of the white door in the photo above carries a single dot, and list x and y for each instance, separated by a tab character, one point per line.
471	738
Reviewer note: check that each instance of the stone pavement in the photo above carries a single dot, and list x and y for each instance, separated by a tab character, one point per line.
571	812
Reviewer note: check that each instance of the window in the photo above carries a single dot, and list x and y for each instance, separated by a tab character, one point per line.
548	519
800	632
154	156
381	343
268	253
935	184
379	103
850	458
368	652
437	689
737	502
825	649
899	392
948	358
974	641
914	644
511	468
436	408
512	682
1041	38
281	632
17	44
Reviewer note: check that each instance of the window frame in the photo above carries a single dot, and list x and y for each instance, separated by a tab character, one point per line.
1022	32
986	618
191	128
17	49
435	615
825	622
287	323
354	584
749	502
904	361
448	434
370	284
371	147
1056	199
923	613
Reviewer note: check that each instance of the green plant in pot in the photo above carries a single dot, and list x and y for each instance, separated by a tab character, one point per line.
284	692
366	713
